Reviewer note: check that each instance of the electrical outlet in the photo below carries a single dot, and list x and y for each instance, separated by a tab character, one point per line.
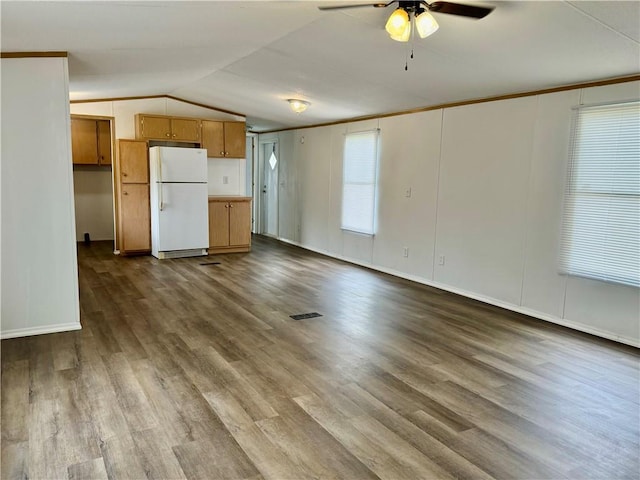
225	180
407	192
441	260
405	251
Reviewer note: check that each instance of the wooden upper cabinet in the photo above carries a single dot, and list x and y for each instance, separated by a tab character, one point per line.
133	161
84	147
213	138
104	142
221	139
90	141
148	126
157	127
224	139
185	130
235	139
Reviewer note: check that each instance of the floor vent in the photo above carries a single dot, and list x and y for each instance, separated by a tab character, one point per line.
210	263
304	316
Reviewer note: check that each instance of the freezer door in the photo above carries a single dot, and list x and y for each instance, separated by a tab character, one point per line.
183	221
175	164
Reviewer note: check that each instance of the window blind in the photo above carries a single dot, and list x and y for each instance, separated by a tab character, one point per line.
601	224
360	165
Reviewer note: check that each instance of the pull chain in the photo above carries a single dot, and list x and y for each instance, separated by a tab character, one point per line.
413	34
410	47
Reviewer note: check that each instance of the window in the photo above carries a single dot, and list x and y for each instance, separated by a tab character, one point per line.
360	167
601	228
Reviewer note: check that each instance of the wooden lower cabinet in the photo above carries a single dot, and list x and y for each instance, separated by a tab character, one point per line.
135	218
229	224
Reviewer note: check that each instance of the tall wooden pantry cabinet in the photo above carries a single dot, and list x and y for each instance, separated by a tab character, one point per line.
132	193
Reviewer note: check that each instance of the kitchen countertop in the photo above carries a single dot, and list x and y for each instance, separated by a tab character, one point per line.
229	198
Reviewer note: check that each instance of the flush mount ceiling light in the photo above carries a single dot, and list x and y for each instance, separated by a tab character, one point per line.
298	105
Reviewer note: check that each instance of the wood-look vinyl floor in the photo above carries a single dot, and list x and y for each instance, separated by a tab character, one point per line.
185	370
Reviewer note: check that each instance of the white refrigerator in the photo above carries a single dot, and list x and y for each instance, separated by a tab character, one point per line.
179	202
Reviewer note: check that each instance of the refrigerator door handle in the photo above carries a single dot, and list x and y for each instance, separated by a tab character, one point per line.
160	198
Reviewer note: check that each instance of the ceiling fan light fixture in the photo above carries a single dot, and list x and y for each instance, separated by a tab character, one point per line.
404	37
398	23
298	105
425	23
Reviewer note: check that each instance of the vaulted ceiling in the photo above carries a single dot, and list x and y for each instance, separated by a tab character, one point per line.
250	56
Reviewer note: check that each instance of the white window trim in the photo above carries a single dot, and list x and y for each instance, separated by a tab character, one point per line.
374	223
589	243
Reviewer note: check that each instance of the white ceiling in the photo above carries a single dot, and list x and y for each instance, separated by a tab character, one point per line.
250	56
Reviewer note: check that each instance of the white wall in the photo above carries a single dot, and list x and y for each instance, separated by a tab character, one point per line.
484	172
93	196
39	263
408	221
487	183
93	211
229	170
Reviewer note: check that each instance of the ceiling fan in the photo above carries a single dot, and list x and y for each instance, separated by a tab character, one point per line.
440	7
399	25
414	15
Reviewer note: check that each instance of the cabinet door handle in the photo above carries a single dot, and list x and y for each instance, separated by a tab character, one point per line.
230	205
167	134
124	174
125	193
226	206
174	135
221	153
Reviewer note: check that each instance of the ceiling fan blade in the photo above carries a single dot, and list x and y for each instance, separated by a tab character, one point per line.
460	9
356	5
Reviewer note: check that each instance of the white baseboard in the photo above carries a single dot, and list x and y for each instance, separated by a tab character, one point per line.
491	301
26	332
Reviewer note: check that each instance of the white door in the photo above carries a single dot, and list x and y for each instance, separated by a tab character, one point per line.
269	190
183	220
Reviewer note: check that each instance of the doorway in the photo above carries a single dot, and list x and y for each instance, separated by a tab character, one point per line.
269	166
93	153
